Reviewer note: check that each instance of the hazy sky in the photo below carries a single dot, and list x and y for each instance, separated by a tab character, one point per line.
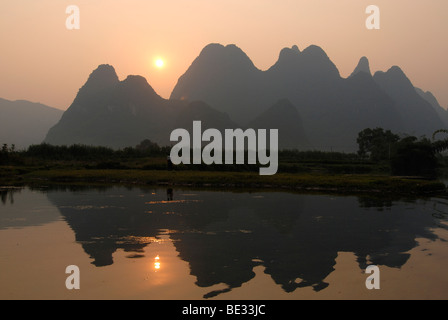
42	61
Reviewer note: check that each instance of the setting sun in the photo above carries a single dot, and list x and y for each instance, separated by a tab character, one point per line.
160	63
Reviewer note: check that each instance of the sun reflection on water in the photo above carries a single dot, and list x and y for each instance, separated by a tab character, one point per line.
157	264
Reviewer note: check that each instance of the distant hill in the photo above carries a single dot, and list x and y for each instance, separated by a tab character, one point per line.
429	97
24	123
363	66
119	114
284	117
333	109
225	78
113	113
418	116
198	110
302	94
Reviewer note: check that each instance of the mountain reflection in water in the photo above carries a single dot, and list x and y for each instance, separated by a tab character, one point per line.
224	235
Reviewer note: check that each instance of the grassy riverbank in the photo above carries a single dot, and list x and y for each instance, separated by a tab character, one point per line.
301	171
339	183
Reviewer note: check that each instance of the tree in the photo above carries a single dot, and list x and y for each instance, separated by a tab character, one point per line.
414	157
377	144
440	145
4	154
148	146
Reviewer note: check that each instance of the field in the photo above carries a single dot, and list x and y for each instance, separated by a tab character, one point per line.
323	176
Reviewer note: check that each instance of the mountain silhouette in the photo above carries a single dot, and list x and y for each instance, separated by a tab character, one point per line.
284	117
119	114
24	123
363	66
333	109
429	97
112	113
198	110
419	117
223	88
226	79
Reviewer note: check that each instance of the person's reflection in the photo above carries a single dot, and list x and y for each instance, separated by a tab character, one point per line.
170	194
4	193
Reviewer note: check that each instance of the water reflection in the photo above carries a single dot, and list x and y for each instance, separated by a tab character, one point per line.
224	236
16	212
157	263
170	194
7	194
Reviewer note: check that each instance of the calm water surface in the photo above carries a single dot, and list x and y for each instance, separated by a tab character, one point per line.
134	243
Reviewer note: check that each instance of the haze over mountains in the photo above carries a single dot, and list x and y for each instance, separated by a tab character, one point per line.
302	94
118	114
23	123
333	109
428	96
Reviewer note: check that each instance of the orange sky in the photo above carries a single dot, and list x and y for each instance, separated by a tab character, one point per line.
42	61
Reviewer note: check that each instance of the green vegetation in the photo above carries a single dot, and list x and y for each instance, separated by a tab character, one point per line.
407	156
414	157
338	183
376	144
383	165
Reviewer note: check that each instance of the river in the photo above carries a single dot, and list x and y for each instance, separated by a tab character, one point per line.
165	244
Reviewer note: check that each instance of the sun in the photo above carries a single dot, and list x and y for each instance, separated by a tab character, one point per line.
160	63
